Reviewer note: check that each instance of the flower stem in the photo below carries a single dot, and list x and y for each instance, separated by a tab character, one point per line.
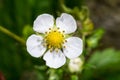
14	36
64	7
83	37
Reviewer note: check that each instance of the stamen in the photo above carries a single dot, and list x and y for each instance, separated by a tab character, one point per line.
58	28
56	50
46	32
54	39
64	46
49	28
44	45
44	39
49	46
63	31
65	40
51	50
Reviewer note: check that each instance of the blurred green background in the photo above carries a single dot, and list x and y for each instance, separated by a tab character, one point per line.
16	64
18	16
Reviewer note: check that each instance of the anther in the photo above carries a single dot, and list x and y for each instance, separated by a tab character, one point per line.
44	39
49	46
45	32
58	28
63	36
51	50
44	44
49	28
63	31
56	50
65	40
64	46
59	46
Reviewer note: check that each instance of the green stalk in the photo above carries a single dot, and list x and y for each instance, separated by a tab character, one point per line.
12	35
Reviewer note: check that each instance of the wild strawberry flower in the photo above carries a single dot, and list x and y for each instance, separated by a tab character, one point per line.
52	39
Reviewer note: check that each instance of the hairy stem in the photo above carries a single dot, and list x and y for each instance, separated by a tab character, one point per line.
14	36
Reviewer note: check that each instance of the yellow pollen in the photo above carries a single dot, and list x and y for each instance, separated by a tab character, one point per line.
54	39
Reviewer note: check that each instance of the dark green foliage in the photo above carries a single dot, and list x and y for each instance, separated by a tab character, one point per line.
15	15
103	65
74	3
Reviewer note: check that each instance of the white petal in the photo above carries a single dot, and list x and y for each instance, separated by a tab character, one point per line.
67	23
43	23
54	59
74	47
34	46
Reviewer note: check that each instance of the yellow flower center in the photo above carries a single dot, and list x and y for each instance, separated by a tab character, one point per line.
54	39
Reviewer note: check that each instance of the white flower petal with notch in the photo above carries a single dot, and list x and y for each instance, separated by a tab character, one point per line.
74	47
34	46
66	23
54	59
43	23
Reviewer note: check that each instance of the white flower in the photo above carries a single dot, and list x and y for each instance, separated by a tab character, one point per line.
52	41
75	65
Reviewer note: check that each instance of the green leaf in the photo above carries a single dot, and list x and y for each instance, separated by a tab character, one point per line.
94	39
74	77
27	31
103	65
104	59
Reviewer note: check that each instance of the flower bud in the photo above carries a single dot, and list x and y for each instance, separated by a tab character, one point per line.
76	65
